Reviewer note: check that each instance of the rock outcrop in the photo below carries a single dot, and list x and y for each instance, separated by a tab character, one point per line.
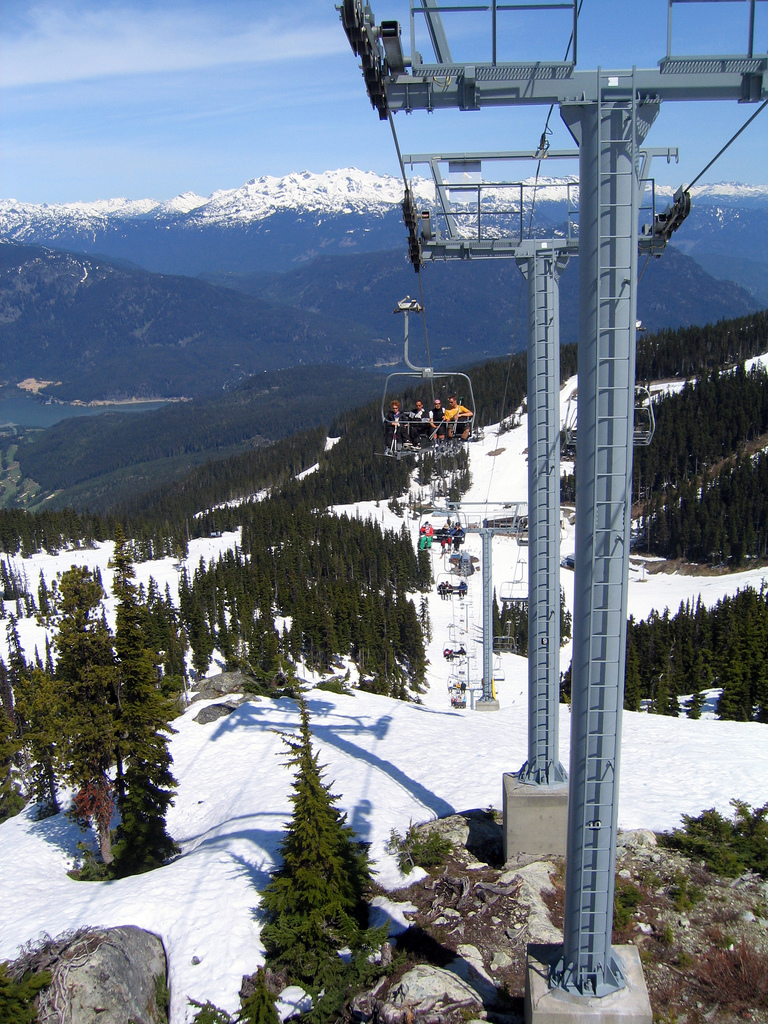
222	685
109	975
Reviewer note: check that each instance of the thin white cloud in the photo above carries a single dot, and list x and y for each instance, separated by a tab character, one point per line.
57	44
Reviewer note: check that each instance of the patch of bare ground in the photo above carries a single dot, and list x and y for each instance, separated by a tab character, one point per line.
703	939
680	567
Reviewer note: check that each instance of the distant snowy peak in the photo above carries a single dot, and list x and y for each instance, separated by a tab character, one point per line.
19	220
729	193
332	193
344	191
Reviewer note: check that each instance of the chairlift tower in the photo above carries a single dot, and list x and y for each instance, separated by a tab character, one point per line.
609	113
541	262
487	529
506	521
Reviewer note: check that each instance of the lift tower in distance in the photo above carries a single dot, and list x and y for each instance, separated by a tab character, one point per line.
609	113
485	220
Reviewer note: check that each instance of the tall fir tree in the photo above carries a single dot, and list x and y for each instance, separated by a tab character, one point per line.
85	670
39	711
259	1006
144	726
11	800
315	902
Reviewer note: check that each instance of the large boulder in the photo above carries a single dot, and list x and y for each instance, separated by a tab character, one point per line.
213	712
211	687
109	975
536	880
425	986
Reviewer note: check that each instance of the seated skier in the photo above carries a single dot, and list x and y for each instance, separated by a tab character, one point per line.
458	418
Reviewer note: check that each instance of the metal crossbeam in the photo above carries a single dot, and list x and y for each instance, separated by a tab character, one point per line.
476	86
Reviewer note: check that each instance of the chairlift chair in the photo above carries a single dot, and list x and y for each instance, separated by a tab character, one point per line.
448	587
514	593
506	643
569	426
644	421
457	696
457	635
401	380
462	563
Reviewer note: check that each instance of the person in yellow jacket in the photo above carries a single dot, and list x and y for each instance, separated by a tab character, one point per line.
458	418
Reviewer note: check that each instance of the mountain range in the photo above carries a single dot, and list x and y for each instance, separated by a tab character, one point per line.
303	270
275	224
105	331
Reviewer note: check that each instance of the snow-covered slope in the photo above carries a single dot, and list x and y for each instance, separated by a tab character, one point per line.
391	762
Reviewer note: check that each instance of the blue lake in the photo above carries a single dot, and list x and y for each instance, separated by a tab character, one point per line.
23	411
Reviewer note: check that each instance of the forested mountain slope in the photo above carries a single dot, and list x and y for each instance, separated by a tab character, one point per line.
702	485
90	459
102	331
477	309
161	445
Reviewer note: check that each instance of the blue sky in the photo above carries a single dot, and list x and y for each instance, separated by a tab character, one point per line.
152	98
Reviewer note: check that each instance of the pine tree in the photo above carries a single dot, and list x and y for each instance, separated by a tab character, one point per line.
11	800
86	673
17	995
314	905
144	724
38	707
259	1007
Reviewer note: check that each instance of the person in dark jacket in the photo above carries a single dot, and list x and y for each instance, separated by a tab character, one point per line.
436	422
394	426
419	426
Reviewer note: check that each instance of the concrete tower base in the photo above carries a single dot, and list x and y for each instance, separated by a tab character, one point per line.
486	705
543	1005
535	819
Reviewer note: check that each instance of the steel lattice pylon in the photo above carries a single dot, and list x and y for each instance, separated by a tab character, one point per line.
542	269
609	113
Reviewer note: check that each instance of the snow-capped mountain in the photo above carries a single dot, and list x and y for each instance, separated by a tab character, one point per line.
266	224
273	224
333	192
340	192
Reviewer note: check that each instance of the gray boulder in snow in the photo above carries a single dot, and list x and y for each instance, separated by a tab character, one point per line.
109	975
216	711
219	686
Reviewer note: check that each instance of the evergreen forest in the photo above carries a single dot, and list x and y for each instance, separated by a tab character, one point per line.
303	585
698	648
702	485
